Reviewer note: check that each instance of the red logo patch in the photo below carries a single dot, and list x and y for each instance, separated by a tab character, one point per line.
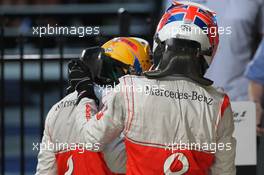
88	112
99	115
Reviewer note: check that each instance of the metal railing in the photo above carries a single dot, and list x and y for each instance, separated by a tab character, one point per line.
8	12
2	101
21	59
70	9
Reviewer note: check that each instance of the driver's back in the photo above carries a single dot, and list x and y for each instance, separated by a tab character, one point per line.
173	125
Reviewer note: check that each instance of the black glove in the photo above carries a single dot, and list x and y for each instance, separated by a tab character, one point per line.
80	80
86	66
85	88
77	71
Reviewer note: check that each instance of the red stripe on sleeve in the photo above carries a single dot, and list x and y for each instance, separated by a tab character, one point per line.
225	104
87	111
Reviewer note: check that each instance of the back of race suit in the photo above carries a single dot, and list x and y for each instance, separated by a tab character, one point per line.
62	152
172	126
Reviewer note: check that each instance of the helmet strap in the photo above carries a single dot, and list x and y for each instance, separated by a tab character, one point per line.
181	57
158	51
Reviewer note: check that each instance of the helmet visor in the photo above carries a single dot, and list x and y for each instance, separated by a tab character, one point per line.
112	70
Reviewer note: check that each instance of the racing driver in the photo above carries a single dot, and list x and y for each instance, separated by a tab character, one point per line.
173	120
61	151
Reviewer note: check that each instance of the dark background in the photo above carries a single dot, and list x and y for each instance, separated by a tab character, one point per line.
33	70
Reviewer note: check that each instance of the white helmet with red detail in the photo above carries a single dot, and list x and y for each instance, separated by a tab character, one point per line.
189	21
185	42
